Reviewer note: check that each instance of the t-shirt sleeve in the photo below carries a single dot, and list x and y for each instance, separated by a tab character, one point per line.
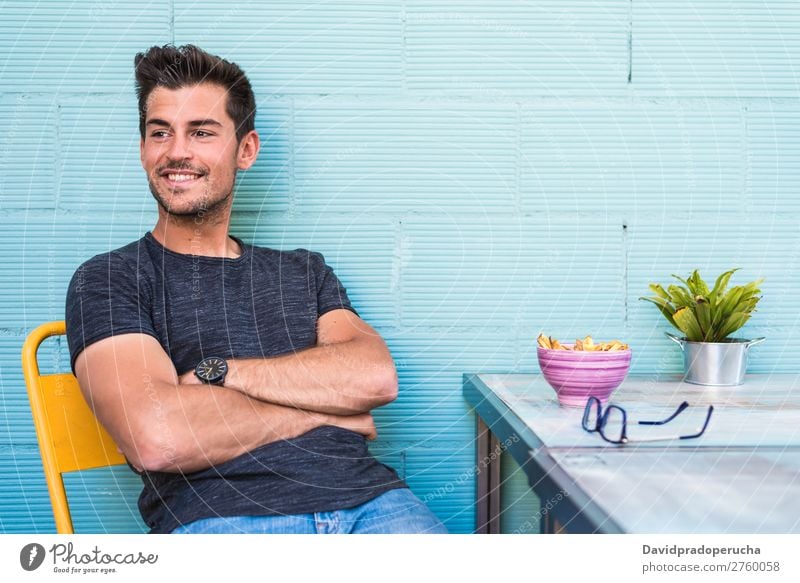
331	294
104	298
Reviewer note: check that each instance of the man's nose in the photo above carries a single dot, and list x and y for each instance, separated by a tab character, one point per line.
180	147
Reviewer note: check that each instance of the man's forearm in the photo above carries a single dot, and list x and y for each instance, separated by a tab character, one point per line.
344	378
193	427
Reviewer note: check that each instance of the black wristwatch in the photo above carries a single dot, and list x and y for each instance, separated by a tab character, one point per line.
212	370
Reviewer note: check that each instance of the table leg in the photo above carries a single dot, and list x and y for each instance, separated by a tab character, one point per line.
546	521
549	524
487	500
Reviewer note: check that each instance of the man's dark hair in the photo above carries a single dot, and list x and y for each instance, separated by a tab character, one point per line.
176	67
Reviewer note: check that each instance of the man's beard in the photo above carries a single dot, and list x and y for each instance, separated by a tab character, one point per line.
203	209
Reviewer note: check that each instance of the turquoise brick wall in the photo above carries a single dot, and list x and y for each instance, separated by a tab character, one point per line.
476	172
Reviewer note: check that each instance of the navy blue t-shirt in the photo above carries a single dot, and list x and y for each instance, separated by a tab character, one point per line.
261	304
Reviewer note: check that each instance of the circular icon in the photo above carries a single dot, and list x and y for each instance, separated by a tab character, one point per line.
212	369
31	556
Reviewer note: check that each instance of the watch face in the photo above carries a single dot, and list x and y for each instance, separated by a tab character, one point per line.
212	369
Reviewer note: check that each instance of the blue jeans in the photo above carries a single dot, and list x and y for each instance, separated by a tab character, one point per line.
394	512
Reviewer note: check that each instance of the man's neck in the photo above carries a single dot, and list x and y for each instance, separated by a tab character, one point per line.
196	239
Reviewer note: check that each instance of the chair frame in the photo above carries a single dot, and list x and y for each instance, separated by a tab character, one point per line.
70	436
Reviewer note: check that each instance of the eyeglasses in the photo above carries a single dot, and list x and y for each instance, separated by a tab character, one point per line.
612	423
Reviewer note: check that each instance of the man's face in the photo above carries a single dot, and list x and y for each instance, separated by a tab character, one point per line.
189	151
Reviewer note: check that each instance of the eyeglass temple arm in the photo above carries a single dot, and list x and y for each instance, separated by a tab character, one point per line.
677	412
673	437
703	430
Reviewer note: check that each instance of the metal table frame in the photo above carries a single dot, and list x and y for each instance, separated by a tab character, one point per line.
497	424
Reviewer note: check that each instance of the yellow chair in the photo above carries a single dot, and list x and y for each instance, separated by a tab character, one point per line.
70	437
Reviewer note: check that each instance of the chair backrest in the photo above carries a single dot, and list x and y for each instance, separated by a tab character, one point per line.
70	437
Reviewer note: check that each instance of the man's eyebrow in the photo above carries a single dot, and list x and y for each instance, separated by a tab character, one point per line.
194	123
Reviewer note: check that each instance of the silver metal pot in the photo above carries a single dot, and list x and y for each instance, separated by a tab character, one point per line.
715	363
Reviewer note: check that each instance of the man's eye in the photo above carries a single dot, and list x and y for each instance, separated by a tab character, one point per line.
202	134
158	134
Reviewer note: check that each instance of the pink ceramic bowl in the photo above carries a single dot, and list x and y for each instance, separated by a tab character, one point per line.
577	375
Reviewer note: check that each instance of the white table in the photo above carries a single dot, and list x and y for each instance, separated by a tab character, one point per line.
741	476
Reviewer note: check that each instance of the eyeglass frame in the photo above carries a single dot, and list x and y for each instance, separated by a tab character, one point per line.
602	420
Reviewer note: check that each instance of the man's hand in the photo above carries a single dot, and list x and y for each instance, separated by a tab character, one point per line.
362	423
189	378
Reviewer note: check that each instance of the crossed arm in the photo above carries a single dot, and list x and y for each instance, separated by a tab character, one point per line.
349	371
163	422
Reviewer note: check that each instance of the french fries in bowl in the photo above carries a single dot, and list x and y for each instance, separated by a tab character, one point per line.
583	369
587	344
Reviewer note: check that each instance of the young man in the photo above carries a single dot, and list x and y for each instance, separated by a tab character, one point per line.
237	380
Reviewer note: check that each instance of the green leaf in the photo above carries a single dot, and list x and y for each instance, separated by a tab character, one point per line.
696	284
747	306
680	279
660	292
687	323
661	302
690	283
751	289
729	302
680	296
664	307
732	324
720	285
703	314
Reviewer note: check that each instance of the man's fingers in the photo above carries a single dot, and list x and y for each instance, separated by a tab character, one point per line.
362	423
367	426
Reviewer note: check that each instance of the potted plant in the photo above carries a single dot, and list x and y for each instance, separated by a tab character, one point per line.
707	317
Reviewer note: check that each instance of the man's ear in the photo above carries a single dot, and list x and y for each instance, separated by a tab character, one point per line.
141	151
248	150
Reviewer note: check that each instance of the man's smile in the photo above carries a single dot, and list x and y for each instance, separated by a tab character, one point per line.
180	178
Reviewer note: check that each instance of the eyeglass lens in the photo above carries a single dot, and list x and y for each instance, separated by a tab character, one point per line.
613	424
591	415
